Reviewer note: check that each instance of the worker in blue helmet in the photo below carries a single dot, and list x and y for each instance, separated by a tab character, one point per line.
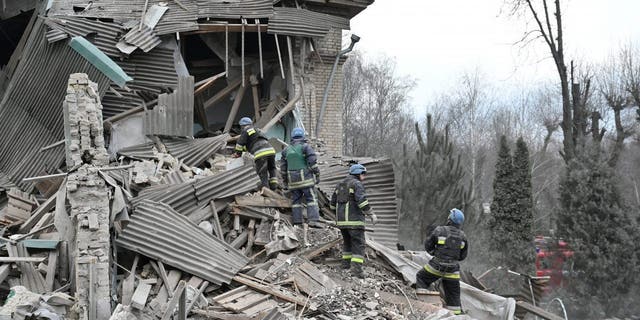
448	245
300	173
349	200
264	155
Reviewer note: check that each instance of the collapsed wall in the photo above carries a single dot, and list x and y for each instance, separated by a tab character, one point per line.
88	196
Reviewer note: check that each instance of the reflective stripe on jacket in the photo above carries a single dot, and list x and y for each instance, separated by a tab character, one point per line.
350	202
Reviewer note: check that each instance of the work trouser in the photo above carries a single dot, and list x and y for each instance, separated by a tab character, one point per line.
266	169
353	244
428	275
301	198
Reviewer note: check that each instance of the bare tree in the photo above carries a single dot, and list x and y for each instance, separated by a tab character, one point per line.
375	114
549	28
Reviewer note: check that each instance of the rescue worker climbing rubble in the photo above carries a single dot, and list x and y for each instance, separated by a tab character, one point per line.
300	173
349	200
448	245
264	155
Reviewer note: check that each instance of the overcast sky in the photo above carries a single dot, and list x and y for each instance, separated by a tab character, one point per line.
436	41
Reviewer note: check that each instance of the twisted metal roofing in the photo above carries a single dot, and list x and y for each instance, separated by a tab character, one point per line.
157	231
301	22
31	114
173	116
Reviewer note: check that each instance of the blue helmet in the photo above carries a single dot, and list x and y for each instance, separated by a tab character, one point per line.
245	121
297	133
357	169
456	216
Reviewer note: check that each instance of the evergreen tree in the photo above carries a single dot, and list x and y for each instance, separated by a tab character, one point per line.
522	252
431	183
503	207
601	233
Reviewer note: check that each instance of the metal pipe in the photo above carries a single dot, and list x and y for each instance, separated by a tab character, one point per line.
354	40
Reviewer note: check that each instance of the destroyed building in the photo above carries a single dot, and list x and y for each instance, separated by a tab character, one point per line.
119	198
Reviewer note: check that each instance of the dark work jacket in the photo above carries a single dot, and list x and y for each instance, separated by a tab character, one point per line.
350	202
253	141
448	245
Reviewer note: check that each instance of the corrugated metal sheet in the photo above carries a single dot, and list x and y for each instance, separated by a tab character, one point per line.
301	22
155	68
144	38
235	9
187	197
157	231
173	115
54	35
192	151
174	177
103	35
31	109
227	183
381	192
141	151
119	101
176	19
195	151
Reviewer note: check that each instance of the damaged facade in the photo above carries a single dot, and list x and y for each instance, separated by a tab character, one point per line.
120	199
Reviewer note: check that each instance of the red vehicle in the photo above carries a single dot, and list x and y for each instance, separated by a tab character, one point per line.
553	259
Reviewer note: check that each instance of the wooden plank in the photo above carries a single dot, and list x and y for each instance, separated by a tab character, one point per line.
247	301
537	311
168	312
222	93
237	295
51	270
271	291
139	299
251	228
4	271
163	275
253	201
40	243
22	259
216	220
37	215
240	240
317	251
129	283
229	293
234	109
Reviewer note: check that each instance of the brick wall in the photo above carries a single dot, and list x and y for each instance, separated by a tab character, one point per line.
318	77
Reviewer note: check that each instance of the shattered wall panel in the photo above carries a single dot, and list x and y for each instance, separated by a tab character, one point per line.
159	232
30	114
235	9
301	22
381	193
173	115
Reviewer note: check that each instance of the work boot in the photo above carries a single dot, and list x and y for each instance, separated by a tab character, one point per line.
346	264
357	270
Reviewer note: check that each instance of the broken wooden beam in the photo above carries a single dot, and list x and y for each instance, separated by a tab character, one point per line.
267	289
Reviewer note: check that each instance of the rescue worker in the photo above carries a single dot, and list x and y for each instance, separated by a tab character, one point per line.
300	173
349	200
448	245
264	155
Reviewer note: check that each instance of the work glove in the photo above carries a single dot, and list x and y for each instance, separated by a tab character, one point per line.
317	178
374	219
